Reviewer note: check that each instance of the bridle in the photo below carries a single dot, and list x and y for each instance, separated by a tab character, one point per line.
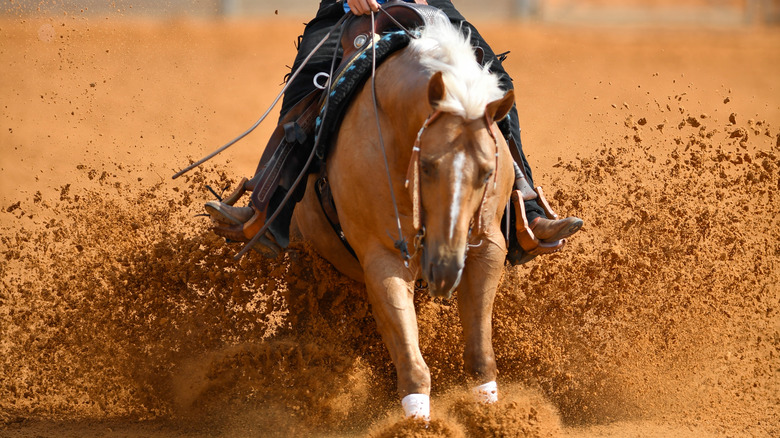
413	182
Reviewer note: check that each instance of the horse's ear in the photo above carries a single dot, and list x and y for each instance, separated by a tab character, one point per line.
498	109
436	90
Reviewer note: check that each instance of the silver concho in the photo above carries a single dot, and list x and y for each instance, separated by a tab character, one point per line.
360	40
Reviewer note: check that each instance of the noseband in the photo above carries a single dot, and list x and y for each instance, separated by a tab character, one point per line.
413	183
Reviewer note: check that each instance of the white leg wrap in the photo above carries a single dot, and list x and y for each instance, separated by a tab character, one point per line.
486	393
417	406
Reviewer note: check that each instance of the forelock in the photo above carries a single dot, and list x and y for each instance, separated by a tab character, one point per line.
469	86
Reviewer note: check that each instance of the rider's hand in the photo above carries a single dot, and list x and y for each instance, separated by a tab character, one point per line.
363	7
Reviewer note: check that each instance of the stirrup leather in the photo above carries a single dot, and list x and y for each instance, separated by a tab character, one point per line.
525	236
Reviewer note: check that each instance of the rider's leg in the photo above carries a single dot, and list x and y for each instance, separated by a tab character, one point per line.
328	14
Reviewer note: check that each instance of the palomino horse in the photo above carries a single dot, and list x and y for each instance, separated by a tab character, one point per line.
433	94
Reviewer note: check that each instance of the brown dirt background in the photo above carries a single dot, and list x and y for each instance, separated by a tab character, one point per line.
121	315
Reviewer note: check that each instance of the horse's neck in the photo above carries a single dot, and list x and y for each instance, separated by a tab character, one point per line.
402	93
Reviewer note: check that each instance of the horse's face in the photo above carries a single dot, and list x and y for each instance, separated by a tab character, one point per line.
457	166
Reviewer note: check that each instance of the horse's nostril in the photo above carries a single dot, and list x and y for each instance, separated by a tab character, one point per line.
442	277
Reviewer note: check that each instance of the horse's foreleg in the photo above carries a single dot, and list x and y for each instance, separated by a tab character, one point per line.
391	298
476	295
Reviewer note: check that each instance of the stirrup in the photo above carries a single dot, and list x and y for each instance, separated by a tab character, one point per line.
525	236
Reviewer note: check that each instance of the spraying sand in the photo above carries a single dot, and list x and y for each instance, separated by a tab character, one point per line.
121	315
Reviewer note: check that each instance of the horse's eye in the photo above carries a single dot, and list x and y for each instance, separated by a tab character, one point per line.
427	167
488	175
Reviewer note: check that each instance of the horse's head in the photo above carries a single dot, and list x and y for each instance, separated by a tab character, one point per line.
457	165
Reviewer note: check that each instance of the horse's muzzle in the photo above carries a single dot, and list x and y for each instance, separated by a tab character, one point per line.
442	274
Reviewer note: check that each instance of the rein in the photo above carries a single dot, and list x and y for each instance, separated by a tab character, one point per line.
400	244
412	182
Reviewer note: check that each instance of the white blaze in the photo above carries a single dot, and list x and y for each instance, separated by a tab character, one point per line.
457	190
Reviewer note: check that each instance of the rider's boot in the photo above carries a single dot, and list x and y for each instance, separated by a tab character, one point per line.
228	214
241	224
548	230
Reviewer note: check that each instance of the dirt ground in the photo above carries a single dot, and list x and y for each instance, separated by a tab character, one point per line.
121	315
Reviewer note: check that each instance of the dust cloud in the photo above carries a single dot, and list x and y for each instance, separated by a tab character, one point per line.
122	315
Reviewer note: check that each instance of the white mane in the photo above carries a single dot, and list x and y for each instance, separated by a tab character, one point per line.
470	87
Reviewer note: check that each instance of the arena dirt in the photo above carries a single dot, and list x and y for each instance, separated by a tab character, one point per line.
122	315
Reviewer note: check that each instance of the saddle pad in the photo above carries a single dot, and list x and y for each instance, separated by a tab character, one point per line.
346	85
